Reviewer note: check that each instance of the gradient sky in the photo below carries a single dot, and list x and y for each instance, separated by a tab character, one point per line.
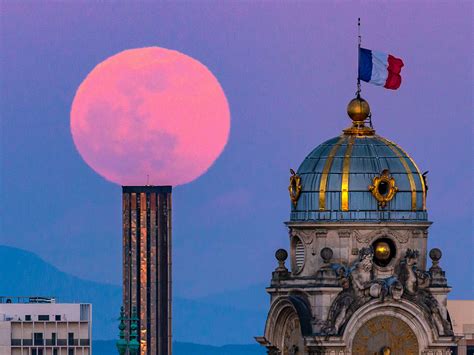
288	71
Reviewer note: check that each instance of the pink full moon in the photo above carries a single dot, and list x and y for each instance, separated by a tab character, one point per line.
150	116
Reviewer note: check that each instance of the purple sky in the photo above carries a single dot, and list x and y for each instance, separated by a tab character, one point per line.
288	72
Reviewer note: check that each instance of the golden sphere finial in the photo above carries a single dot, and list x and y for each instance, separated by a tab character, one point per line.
358	109
382	251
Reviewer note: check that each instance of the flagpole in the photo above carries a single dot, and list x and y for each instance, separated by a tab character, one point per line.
359	42
358	57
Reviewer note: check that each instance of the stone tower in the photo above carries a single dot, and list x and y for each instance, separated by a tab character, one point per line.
358	281
147	264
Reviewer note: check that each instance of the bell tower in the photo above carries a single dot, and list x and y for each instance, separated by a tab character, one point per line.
358	281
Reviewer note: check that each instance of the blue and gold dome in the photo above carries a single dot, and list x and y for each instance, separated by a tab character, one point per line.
358	176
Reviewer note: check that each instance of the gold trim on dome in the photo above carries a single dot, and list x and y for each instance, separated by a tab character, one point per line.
359	129
383	198
407	168
324	175
295	187
422	180
345	175
358	110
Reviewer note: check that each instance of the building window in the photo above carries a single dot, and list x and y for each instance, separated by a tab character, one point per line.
34	352
28	317
43	317
55	351
85	311
70	339
58	317
71	352
40	351
53	338
38	339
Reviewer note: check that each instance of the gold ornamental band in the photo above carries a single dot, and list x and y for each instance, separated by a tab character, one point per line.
345	175
423	187
408	170
324	175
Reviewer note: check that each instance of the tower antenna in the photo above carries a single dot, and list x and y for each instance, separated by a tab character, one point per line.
358	57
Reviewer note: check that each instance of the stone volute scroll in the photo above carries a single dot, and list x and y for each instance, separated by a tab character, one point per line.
306	235
401	236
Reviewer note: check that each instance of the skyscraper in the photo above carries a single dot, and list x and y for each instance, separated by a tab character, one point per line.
147	264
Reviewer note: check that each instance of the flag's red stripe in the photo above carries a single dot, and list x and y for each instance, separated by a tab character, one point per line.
393	81
394	64
394	67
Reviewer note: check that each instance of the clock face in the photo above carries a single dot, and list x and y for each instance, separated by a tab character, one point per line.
293	340
385	335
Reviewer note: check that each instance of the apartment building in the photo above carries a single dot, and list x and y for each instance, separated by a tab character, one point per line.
462	317
40	326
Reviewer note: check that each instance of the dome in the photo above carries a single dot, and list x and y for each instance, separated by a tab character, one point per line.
359	176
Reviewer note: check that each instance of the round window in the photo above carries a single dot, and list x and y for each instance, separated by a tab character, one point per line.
383	188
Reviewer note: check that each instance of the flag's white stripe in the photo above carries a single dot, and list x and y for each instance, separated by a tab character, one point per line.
379	68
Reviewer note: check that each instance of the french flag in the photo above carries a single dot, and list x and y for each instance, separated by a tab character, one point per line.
380	68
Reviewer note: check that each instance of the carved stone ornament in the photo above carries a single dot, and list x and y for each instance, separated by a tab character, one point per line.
402	237
359	286
361	238
383	188
321	233
415	283
306	235
295	187
417	233
344	233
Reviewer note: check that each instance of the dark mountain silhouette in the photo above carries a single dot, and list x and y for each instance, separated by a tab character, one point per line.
107	347
217	320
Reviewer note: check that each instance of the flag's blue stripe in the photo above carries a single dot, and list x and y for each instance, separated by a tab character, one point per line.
365	64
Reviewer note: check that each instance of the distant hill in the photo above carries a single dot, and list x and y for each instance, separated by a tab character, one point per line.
23	273
217	320
108	348
253	298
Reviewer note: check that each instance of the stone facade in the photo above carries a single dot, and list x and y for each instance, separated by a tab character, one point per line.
330	295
